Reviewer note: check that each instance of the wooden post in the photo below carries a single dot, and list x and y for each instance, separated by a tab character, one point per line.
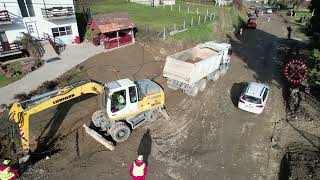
199	20
207	12
188	9
118	38
184	24
197	11
205	19
171	7
164	33
99	138
179	7
191	21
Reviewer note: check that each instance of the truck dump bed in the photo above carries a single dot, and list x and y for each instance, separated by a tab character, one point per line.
193	64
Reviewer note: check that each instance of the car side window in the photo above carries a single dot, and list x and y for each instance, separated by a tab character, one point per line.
118	101
265	94
133	94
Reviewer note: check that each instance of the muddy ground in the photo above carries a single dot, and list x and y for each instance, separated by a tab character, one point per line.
207	136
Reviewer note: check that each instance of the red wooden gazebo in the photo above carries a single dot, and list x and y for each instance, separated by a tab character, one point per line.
115	29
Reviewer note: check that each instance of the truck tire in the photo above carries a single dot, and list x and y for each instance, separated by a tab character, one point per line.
194	91
224	70
202	84
216	76
96	118
119	132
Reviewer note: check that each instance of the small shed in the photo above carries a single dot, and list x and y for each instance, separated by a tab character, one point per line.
114	29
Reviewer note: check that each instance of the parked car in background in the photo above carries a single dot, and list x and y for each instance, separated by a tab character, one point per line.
269	11
254	97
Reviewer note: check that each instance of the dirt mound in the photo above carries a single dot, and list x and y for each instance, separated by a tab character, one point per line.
300	162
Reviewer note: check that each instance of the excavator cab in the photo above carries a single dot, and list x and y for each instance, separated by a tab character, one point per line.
122	98
126	104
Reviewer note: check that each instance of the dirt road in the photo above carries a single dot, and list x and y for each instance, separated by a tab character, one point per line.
207	136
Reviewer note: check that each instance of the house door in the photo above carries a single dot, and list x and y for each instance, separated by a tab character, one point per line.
4	41
32	29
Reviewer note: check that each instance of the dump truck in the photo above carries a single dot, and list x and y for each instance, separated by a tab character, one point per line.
190	69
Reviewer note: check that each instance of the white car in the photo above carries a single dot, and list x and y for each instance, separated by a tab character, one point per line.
254	97
269	11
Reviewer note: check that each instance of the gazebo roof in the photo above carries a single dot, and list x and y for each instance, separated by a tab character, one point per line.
110	22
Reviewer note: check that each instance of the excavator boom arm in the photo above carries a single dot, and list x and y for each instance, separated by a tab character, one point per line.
21	111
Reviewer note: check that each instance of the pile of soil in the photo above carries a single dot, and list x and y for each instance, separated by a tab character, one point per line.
302	156
300	163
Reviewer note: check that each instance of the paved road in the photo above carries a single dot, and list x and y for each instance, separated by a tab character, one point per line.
72	56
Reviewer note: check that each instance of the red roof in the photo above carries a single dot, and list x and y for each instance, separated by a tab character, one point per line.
112	22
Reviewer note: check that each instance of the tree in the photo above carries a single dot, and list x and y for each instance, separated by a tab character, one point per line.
31	45
315	23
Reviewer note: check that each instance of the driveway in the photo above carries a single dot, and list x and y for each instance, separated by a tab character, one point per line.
52	69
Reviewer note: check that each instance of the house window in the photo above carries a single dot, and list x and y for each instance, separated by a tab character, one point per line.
61	31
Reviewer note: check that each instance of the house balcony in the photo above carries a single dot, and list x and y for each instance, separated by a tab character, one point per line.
7	49
58	13
5	18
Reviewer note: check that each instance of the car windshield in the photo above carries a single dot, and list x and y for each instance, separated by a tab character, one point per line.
251	99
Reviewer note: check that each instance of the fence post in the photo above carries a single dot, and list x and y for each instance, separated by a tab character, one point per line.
171	7
179	7
199	20
188	9
164	33
197	11
184	24
207	12
205	19
191	21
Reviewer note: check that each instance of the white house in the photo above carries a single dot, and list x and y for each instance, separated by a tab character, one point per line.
40	18
155	2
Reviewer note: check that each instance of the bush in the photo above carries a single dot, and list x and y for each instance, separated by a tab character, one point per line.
21	96
29	43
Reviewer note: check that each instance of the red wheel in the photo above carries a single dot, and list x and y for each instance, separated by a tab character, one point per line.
296	71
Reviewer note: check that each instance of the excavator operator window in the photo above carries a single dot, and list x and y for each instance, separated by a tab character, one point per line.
118	101
133	94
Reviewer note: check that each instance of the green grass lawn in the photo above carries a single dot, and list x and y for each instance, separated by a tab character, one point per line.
150	16
156	18
5	80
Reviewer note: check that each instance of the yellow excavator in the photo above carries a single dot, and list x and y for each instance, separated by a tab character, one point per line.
125	105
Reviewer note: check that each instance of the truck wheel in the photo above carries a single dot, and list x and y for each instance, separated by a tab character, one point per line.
216	76
224	70
202	84
172	87
120	132
96	118
194	91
